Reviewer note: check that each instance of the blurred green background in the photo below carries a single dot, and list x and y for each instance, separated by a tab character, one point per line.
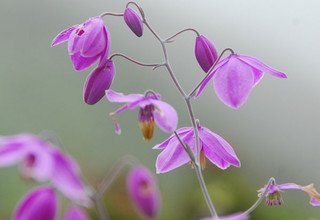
276	133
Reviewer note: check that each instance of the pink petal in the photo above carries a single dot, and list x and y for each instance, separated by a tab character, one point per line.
314	202
81	63
208	78
133	21
257	64
63	36
75	213
217	150
105	52
165	116
181	131
234	82
289	186
12	149
114	96
39	204
97	82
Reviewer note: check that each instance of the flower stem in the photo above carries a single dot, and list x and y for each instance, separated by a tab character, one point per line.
101	210
180	32
111	14
133	60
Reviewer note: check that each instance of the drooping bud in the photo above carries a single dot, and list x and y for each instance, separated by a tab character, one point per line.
205	52
39	204
133	21
75	213
97	82
146	121
144	191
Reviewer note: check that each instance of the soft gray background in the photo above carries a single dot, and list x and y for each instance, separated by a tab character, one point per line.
276	133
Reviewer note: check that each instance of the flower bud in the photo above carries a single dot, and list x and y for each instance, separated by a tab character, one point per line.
205	53
133	21
97	82
39	204
144	191
75	213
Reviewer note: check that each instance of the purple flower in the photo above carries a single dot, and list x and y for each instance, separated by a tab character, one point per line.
144	191
236	76
133	21
87	43
274	197
212	146
39	204
152	110
237	216
75	213
98	81
30	152
43	161
205	52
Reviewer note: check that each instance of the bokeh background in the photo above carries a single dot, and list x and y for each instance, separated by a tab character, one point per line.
276	133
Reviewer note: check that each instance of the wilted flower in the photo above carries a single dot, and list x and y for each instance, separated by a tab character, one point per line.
274	197
205	52
133	21
237	216
39	204
212	146
75	213
98	81
144	191
236	76
87	43
152	110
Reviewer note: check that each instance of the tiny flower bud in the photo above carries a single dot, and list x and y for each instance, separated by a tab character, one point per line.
146	121
144	191
97	82
133	21
75	213
205	53
39	204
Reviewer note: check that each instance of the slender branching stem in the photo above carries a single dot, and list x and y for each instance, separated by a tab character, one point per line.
111	14
101	210
186	147
133	60
261	197
169	39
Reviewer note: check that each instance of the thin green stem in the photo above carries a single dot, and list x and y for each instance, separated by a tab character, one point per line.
180	32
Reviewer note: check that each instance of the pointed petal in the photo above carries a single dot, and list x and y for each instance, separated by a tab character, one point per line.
75	213
208	78
114	96
41	203
97	82
63	36
257	64
180	131
81	63
165	116
234	82
133	21
105	52
289	186
12	149
174	156
205	52
216	147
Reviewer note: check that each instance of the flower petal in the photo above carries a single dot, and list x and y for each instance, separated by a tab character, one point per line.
105	52
81	63
208	78
63	36
114	96
165	116
97	82
12	149
234	82
75	213
205	52
257	64
216	147
180	131
289	186
174	155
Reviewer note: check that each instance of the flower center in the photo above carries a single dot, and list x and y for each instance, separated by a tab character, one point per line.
144	188
274	199
146	121
27	166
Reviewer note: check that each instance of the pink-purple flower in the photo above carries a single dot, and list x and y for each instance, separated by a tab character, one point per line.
205	52
75	213
39	204
87	43
274	197
212	146
151	110
144	191
133	21
236	76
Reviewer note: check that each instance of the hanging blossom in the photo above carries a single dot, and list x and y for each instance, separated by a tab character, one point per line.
236	76
151	111
42	161
87	43
274	197
237	216
212	146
